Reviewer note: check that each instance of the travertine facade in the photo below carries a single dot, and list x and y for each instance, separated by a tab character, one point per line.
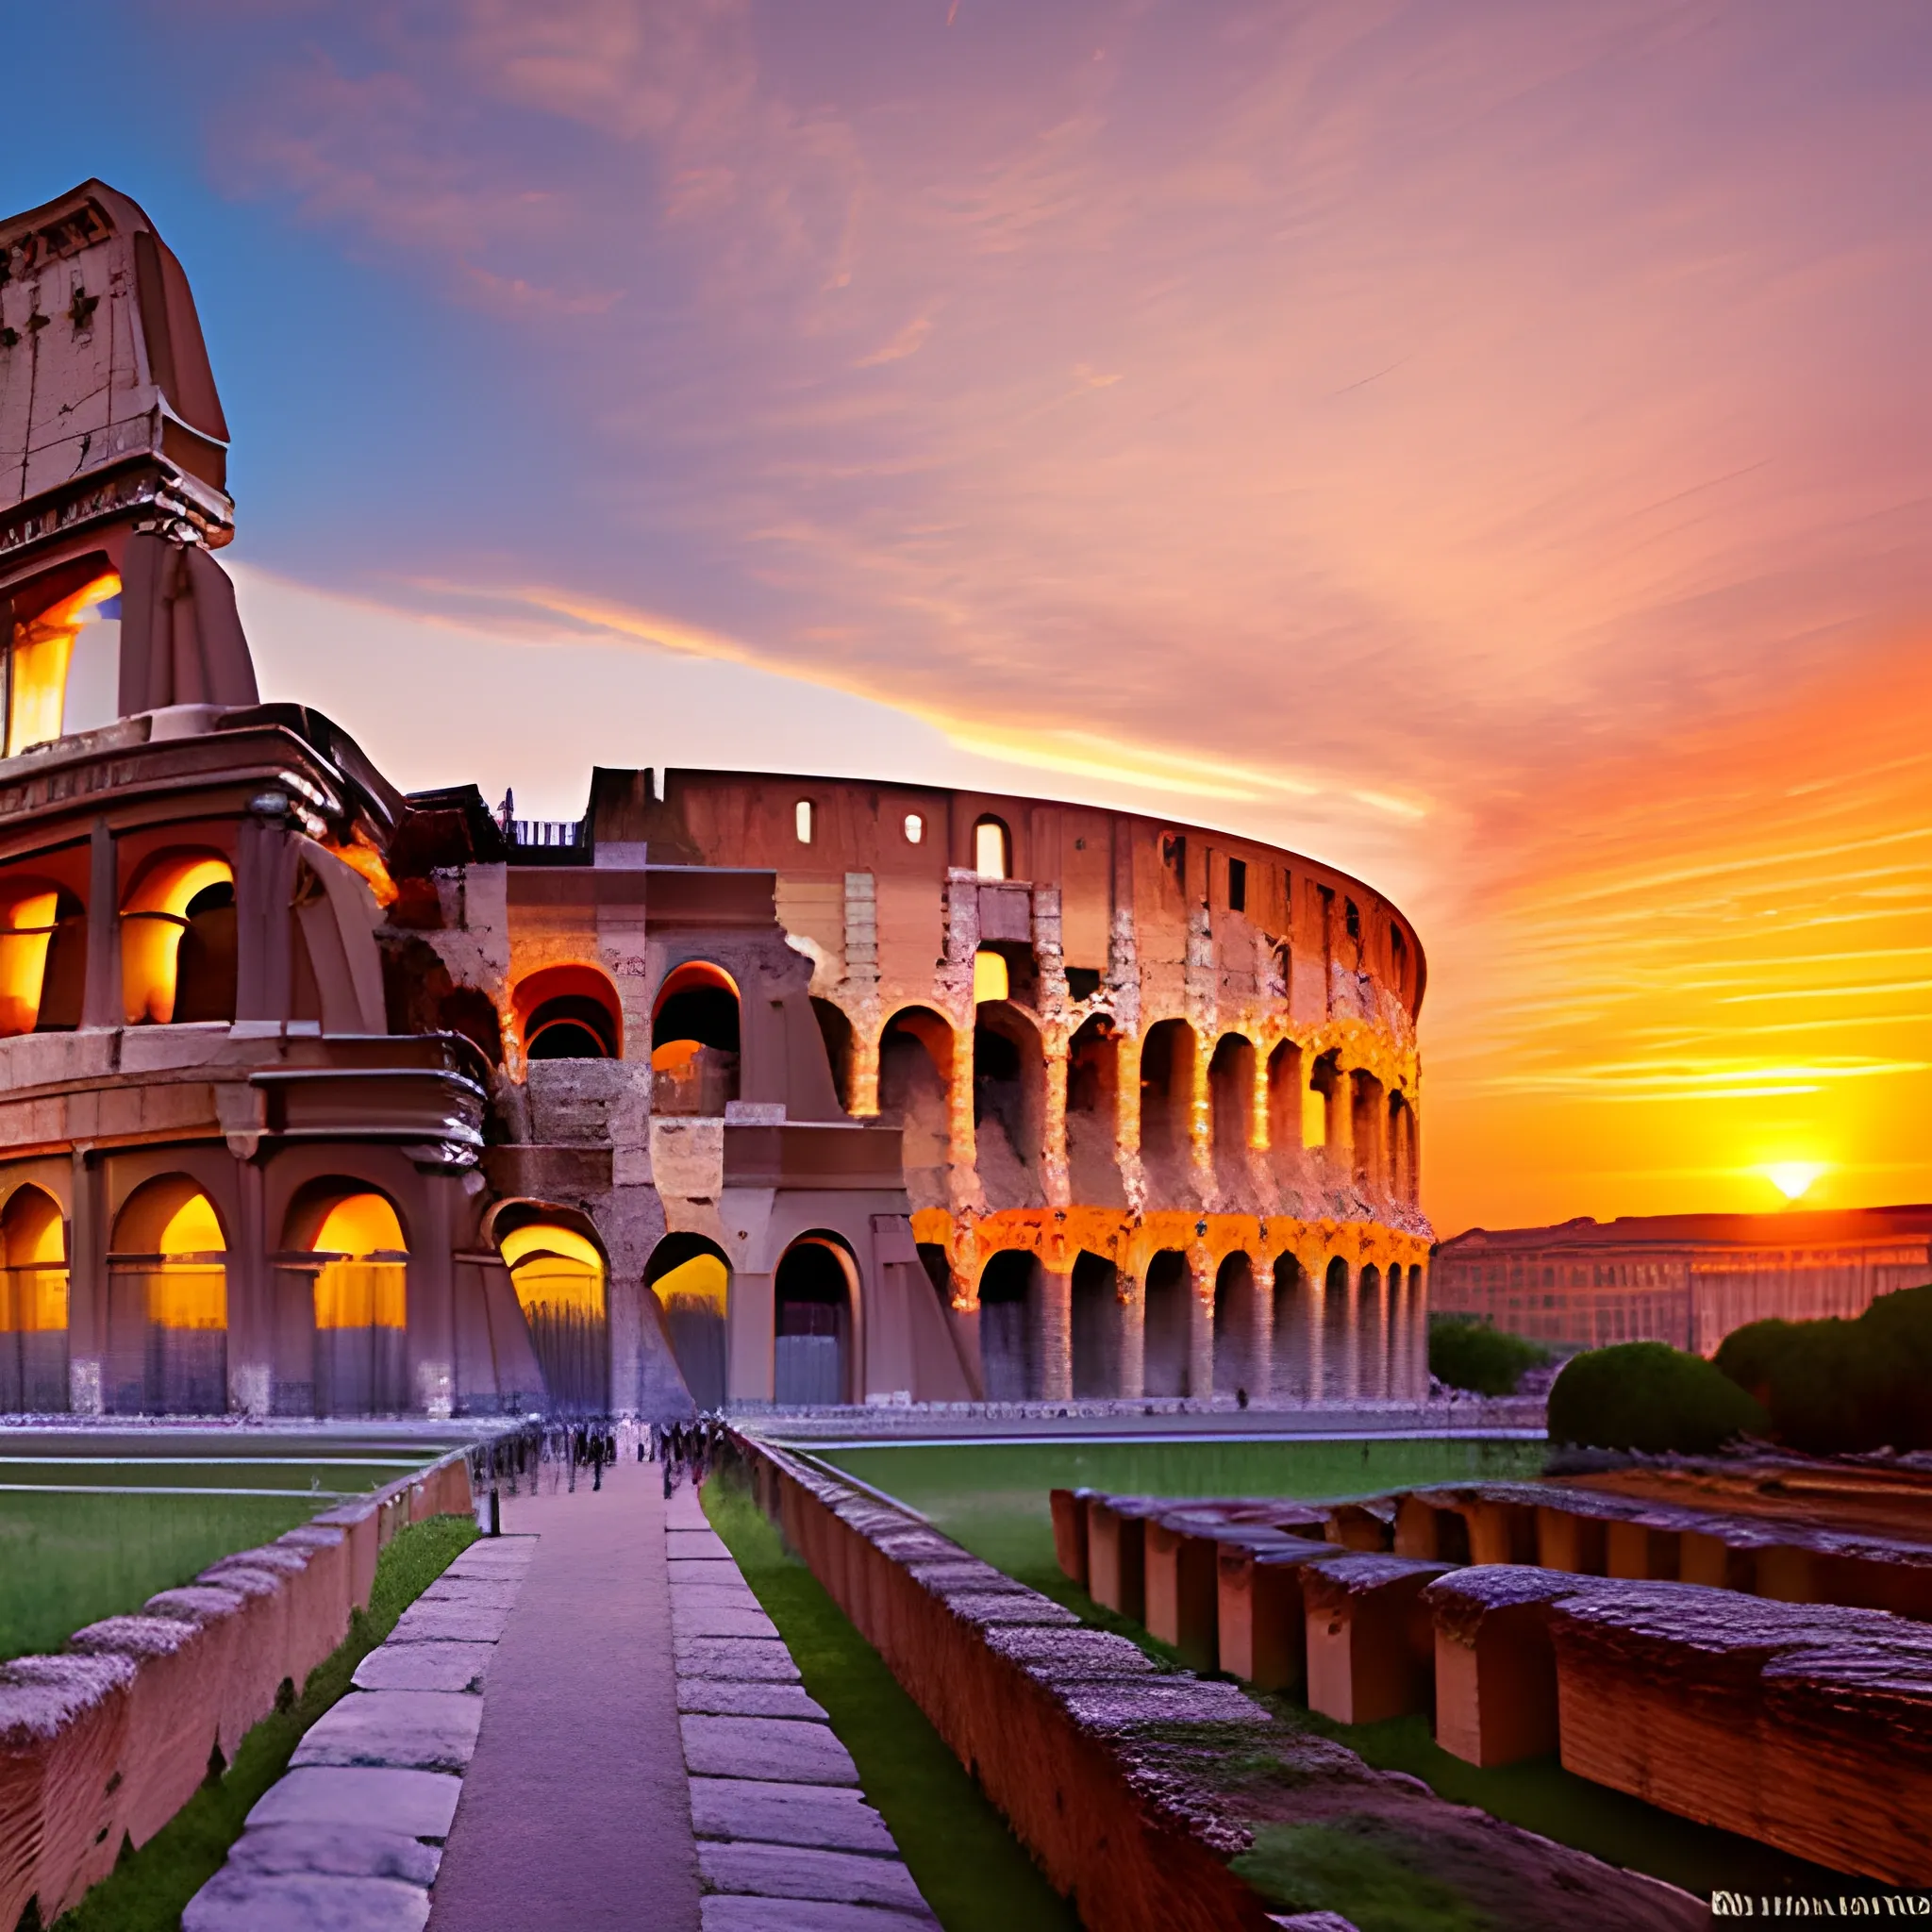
317	1097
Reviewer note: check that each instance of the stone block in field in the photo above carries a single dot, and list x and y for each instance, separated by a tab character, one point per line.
1371	1643
1116	1558
1495	1671
261	1653
1259	1614
1070	1532
358	1522
1180	1584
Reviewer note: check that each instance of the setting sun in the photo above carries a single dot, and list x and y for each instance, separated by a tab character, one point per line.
1792	1179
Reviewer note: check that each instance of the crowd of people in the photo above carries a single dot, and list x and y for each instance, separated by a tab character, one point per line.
554	1454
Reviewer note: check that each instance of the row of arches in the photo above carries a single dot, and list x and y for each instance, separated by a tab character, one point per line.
339	1293
1282	1333
1246	1117
177	945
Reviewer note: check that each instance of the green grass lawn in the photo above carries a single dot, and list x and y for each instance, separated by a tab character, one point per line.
975	1873
333	1478
992	1496
149	1889
70	1560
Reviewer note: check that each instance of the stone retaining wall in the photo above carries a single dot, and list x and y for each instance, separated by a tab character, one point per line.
104	1743
1134	1788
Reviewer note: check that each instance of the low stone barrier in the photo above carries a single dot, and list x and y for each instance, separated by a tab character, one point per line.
101	1747
1135	1789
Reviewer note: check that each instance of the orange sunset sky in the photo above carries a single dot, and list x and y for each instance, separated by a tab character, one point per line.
1486	445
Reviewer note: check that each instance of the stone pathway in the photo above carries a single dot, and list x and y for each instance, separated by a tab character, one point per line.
352	1835
786	1841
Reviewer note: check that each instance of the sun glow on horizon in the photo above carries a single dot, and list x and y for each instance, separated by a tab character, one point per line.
1792	1179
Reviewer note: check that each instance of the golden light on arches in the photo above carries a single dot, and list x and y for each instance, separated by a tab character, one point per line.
358	1291
33	1264
26	928
703	1278
43	649
151	922
193	1228
555	1266
991	979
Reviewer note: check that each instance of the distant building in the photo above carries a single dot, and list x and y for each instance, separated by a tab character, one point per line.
1688	1279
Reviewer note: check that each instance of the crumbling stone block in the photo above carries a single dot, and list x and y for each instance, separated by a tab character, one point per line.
1495	1671
1070	1532
1260	1612
1371	1642
1180	1586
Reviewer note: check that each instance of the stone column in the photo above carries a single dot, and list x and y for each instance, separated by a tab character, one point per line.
865	1076
1261	1344
251	1309
432	1309
87	1286
101	1001
1419	1331
1056	1182
1352	1344
1126	1126
751	1323
1130	1317
1316	1318
1384	1379
1053	1329
1200	1324
1402	1375
1201	1114
962	1153
1341	1126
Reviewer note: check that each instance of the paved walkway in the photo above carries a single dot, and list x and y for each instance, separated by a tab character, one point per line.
576	1811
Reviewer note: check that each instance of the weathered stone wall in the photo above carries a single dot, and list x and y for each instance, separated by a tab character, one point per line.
105	1742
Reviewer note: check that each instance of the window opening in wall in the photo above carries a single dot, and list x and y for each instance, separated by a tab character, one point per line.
1351	917
558	1276
33	1304
993	849
42	957
694	1042
41	653
1237	884
1173	855
1398	952
811	1345
915	829
178	940
991	978
1083	982
801	821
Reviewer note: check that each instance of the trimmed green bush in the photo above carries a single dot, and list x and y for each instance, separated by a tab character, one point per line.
1835	1387
1469	1354
1649	1396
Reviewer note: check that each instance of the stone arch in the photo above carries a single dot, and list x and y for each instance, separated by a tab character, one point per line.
43	955
1284	1111
1008	1293
1095	1326
1009	1105
691	1276
33	1303
815	1298
561	1273
345	1265
569	1011
1239	1344
1338	1359
167	1350
1292	1331
834	1029
1231	1112
178	938
1093	1078
1168	1293
695	1040
1167	1104
915	1076
1372	1326
992	847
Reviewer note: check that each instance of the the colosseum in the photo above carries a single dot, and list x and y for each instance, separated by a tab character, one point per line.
316	1097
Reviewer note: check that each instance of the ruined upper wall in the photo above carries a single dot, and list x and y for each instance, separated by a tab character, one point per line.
104	377
1164	871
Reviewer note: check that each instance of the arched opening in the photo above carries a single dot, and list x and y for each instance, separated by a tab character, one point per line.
1009	1105
939	1271
1095	1326
1285	1111
1005	1296
915	1069
1371	1347
694	1042
358	1281
1166	1335
1239	1348
558	1275
812	1345
1231	1100
1093	1078
47	680
1167	1098
33	1304
691	1278
1292	1338
178	938
167	1304
1366	1099
43	957
992	849
568	1014
1327	1096
1339	1369
834	1029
